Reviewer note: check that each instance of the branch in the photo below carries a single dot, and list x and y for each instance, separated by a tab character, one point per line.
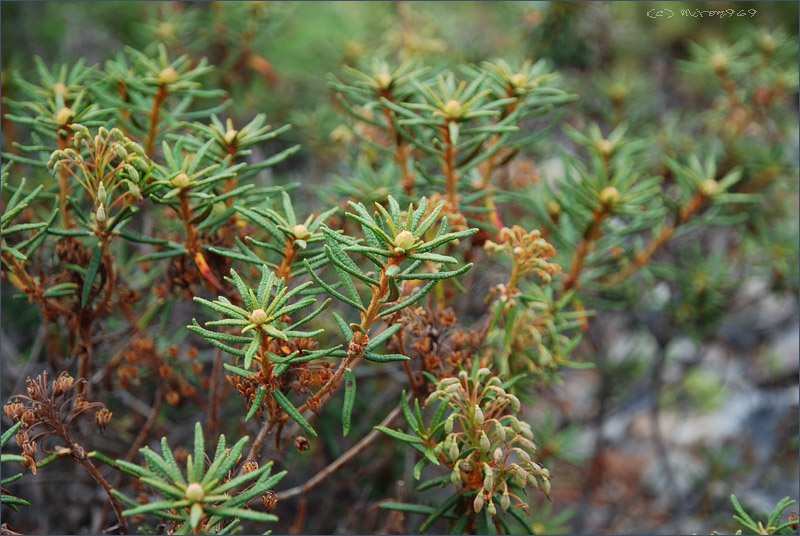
354	451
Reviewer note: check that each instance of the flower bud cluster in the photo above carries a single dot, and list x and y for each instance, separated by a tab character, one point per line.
101	164
528	250
490	450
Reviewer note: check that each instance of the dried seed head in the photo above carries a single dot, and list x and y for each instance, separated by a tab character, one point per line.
33	390
195	492
249	466
65	116
270	500
14	410
301	444
167	76
63	384
102	418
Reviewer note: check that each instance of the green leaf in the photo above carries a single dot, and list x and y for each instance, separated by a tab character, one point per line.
255	344
522	519
259	399
410	508
290	410
242	289
436	275
196	515
91	273
330	289
420	465
385	358
240	513
349	400
196	470
440	511
383	336
410	301
406	438
155	507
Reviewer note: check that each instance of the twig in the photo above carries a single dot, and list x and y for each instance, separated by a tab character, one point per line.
354	451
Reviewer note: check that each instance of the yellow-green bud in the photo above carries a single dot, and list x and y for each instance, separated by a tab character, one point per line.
478	414
448	424
501	431
453	451
165	31
300	231
553	207
65	116
230	136
609	196
384	80
718	61
168	76
492	509
122	154
485	445
477	504
709	187
767	43
518	80
195	492
102	195
604	147
258	317
452	109
59	87
181	180
505	501
135	191
455	476
100	214
498	454
404	240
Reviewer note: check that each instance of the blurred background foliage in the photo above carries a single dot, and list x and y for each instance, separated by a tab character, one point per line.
718	352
